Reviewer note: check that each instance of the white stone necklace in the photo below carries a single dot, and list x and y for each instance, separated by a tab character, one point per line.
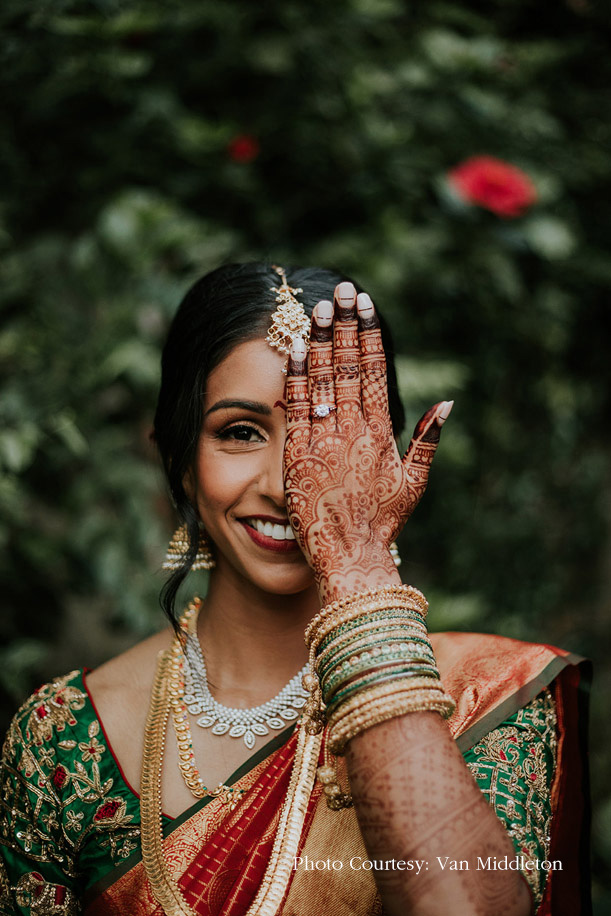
237	723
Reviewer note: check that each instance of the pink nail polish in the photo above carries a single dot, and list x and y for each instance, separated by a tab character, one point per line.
445	412
346	292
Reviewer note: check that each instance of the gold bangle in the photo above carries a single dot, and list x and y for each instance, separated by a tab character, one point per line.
397	617
359	720
384	591
380	692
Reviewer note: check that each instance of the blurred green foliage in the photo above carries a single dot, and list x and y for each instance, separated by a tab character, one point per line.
122	185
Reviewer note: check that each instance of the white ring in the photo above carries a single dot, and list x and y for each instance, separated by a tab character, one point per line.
322	410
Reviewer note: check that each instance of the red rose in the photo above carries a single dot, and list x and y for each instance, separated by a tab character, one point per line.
494	185
107	810
243	148
60	776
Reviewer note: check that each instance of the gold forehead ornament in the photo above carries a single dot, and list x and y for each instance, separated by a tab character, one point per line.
290	320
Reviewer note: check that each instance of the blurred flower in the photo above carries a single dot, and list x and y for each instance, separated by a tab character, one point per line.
494	185
243	148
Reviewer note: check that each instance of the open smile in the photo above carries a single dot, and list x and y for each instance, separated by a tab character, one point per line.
270	534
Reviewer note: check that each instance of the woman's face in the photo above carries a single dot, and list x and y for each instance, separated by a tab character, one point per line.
237	480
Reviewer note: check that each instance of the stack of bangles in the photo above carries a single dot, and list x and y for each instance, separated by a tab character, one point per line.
370	660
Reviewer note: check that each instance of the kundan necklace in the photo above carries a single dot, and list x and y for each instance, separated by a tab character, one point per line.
237	723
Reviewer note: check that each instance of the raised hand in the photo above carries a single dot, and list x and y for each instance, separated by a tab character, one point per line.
349	492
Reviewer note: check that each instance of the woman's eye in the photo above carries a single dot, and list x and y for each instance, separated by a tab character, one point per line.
241	433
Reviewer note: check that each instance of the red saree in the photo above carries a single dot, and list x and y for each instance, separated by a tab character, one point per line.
219	857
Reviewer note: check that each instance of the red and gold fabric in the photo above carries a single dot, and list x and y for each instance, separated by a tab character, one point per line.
69	821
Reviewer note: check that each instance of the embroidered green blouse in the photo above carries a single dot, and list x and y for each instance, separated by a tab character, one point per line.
67	815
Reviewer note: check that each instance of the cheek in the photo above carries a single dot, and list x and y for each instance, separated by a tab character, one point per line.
221	480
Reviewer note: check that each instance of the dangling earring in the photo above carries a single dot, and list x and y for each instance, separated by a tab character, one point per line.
179	546
394	552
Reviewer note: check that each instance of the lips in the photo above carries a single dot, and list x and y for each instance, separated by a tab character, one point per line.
271	535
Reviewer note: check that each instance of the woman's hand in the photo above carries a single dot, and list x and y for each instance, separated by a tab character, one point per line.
349	492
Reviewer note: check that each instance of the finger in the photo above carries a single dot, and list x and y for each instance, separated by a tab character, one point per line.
374	385
346	355
421	450
297	400
322	387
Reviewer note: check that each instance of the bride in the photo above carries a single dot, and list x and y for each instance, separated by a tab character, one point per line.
391	769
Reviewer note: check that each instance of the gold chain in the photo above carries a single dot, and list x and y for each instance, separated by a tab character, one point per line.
164	887
288	834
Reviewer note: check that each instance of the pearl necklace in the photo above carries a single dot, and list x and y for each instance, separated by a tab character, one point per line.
237	723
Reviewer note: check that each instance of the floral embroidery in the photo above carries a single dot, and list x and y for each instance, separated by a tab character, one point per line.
60	801
514	766
113	810
58	703
73	820
60	776
92	750
43	898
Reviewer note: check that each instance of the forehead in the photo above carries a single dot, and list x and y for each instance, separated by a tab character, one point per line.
252	370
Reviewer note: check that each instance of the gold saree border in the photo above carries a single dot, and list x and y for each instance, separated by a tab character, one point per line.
490	677
212	809
484	673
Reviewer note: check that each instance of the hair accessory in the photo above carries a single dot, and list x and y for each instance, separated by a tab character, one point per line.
322	410
179	547
289	320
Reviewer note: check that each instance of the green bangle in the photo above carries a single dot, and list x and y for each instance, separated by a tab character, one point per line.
346	652
403	613
347	671
347	678
369	679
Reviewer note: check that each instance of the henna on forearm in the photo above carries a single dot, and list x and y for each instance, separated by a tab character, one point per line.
415	799
349	493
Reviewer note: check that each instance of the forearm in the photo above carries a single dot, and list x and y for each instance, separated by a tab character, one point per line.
416	800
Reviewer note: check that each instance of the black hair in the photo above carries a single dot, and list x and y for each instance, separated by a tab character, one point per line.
228	306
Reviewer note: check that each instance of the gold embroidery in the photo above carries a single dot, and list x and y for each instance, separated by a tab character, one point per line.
54	800
514	766
56	709
44	899
5	887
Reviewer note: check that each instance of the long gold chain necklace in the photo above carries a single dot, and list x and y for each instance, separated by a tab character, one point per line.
164	886
178	709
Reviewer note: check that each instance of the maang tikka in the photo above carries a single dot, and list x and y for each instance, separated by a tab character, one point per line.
290	320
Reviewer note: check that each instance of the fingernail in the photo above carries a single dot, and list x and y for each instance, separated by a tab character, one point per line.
445	412
364	304
298	348
324	313
345	292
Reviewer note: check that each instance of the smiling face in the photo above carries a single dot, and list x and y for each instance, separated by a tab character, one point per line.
236	482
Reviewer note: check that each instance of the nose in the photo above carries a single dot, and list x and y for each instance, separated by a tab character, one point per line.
271	481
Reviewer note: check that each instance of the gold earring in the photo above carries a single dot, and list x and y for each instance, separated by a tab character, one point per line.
394	552
179	547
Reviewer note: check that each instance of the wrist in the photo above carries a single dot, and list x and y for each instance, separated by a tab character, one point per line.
341	584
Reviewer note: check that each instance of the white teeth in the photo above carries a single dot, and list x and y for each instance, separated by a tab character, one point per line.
270	530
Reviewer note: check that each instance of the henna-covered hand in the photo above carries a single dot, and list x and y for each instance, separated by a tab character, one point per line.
349	493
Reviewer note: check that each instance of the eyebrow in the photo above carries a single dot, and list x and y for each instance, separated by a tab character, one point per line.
252	406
